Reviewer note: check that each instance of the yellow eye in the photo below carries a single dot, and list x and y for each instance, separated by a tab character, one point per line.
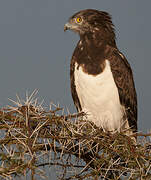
79	19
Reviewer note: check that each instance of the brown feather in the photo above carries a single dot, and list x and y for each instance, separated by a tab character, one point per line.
97	43
123	78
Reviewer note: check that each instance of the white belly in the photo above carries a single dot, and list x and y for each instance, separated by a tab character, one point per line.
99	98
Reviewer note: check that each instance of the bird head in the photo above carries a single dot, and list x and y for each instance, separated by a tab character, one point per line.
91	21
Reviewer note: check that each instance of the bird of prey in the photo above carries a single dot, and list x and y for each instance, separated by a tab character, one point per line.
102	82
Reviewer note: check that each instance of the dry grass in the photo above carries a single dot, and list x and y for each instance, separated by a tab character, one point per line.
32	137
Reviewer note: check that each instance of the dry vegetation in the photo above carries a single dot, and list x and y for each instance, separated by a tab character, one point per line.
32	137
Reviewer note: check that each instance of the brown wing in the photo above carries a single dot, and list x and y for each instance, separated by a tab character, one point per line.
123	78
73	87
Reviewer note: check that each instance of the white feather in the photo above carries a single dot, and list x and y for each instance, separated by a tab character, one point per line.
99	98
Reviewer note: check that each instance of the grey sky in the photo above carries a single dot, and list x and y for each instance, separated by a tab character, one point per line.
35	52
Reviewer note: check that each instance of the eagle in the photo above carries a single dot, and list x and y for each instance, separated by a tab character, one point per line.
102	84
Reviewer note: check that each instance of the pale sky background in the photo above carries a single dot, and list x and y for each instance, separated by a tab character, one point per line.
35	52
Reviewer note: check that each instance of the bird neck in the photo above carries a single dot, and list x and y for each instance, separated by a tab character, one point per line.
97	47
99	39
91	54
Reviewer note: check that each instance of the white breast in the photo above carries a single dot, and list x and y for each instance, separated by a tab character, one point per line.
99	98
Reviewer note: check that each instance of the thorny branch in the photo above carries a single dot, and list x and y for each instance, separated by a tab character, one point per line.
32	137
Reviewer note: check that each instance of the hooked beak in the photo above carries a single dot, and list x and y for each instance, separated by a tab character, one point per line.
67	26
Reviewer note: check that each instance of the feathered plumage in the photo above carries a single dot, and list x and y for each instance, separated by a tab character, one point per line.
101	78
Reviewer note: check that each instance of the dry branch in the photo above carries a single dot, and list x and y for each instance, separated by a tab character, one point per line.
33	137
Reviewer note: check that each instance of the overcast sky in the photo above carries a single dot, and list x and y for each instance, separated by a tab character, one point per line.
35	52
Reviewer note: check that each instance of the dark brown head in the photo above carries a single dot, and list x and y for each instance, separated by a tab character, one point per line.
91	21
